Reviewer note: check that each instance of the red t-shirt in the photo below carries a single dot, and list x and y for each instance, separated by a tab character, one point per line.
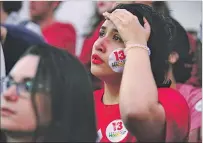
111	128
61	35
193	96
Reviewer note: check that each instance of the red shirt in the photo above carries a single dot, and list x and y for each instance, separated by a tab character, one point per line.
111	128
193	96
61	35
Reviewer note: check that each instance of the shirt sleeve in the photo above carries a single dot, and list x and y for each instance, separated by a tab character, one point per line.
176	113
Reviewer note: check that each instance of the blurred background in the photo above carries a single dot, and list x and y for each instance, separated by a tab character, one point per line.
187	13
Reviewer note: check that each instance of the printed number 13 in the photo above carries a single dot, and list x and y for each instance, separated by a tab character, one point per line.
119	55
117	126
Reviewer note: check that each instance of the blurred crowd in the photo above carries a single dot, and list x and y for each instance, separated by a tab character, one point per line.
18	35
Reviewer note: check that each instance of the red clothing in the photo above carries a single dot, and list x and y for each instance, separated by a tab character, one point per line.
193	96
111	128
61	35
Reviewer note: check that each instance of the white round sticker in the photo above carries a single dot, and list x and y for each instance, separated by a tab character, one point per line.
117	60
198	106
116	131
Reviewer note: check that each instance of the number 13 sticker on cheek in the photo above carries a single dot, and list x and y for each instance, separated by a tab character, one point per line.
117	60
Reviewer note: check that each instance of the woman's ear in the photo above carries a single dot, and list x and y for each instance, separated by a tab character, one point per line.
173	57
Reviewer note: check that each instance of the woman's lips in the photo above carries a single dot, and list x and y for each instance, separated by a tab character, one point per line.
96	59
6	111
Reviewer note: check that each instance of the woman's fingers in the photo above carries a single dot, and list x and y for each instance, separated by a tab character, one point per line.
146	25
114	18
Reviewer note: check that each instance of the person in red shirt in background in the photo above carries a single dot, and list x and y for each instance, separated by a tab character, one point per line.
92	36
136	103
61	35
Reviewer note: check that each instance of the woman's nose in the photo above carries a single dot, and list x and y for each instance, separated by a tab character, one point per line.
101	45
10	94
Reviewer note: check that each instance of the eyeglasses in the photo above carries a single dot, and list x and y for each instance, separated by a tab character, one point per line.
21	87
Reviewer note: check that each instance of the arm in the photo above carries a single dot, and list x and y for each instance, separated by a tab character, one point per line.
139	106
148	114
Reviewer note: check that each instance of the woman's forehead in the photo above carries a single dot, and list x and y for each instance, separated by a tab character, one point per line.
25	67
108	25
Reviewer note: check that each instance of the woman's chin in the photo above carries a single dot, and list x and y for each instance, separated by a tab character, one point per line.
8	124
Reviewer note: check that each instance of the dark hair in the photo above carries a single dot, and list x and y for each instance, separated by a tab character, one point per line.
162	30
11	6
66	81
95	20
180	44
161	7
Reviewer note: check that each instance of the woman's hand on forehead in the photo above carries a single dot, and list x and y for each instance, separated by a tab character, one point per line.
129	27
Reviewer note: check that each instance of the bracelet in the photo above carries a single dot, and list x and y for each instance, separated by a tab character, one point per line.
137	46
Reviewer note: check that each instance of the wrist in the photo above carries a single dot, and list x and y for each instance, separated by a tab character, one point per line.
136	46
135	42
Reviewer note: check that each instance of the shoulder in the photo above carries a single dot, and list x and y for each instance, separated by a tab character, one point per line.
169	93
64	26
20	32
176	114
172	98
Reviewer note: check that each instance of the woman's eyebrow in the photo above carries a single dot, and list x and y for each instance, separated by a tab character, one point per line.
103	27
114	30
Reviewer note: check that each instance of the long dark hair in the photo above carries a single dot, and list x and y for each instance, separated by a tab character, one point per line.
180	44
11	6
64	79
162	31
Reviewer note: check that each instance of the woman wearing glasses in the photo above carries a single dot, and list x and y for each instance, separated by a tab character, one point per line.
48	98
